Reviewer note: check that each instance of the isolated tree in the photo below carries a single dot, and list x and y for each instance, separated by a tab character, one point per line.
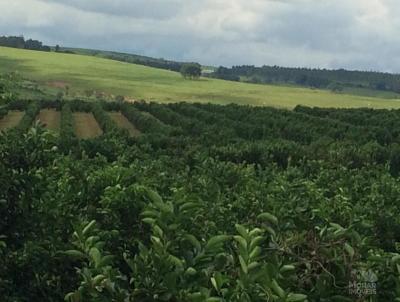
191	71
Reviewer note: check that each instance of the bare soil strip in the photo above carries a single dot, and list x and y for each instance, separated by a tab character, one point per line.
86	125
50	118
11	120
124	123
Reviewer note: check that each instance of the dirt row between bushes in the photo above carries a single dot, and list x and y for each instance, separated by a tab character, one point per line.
85	125
11	120
50	118
124	123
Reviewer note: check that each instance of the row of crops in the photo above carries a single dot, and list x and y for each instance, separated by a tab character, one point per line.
209	203
92	121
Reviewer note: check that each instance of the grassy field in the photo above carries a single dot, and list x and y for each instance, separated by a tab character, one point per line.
50	118
371	93
11	120
86	125
123	123
81	73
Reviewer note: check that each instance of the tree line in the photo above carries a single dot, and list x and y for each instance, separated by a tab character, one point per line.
146	61
20	42
316	78
129	58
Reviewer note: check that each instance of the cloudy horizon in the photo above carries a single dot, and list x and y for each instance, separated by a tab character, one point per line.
357	34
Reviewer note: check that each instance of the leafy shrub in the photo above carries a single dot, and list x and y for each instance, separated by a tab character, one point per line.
30	114
278	207
105	122
68	139
144	122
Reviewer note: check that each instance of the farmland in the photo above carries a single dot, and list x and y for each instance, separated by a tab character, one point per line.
86	125
122	122
11	120
208	203
56	71
50	119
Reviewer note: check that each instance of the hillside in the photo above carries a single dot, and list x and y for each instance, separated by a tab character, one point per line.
83	73
341	80
126	57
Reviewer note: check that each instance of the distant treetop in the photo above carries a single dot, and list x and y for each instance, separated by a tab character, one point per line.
335	80
191	71
20	42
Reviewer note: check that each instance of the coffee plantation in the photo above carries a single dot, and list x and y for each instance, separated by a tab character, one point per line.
209	203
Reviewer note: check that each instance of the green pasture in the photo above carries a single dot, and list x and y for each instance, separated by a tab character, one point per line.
82	73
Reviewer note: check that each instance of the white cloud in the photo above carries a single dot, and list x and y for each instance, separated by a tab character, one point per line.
357	34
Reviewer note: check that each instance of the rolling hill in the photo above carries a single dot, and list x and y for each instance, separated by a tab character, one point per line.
82	73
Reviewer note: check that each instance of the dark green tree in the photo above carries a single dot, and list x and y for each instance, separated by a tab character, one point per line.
191	71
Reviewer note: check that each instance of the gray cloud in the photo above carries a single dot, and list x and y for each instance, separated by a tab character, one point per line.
142	9
356	34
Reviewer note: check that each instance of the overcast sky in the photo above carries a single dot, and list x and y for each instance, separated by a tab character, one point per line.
352	34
